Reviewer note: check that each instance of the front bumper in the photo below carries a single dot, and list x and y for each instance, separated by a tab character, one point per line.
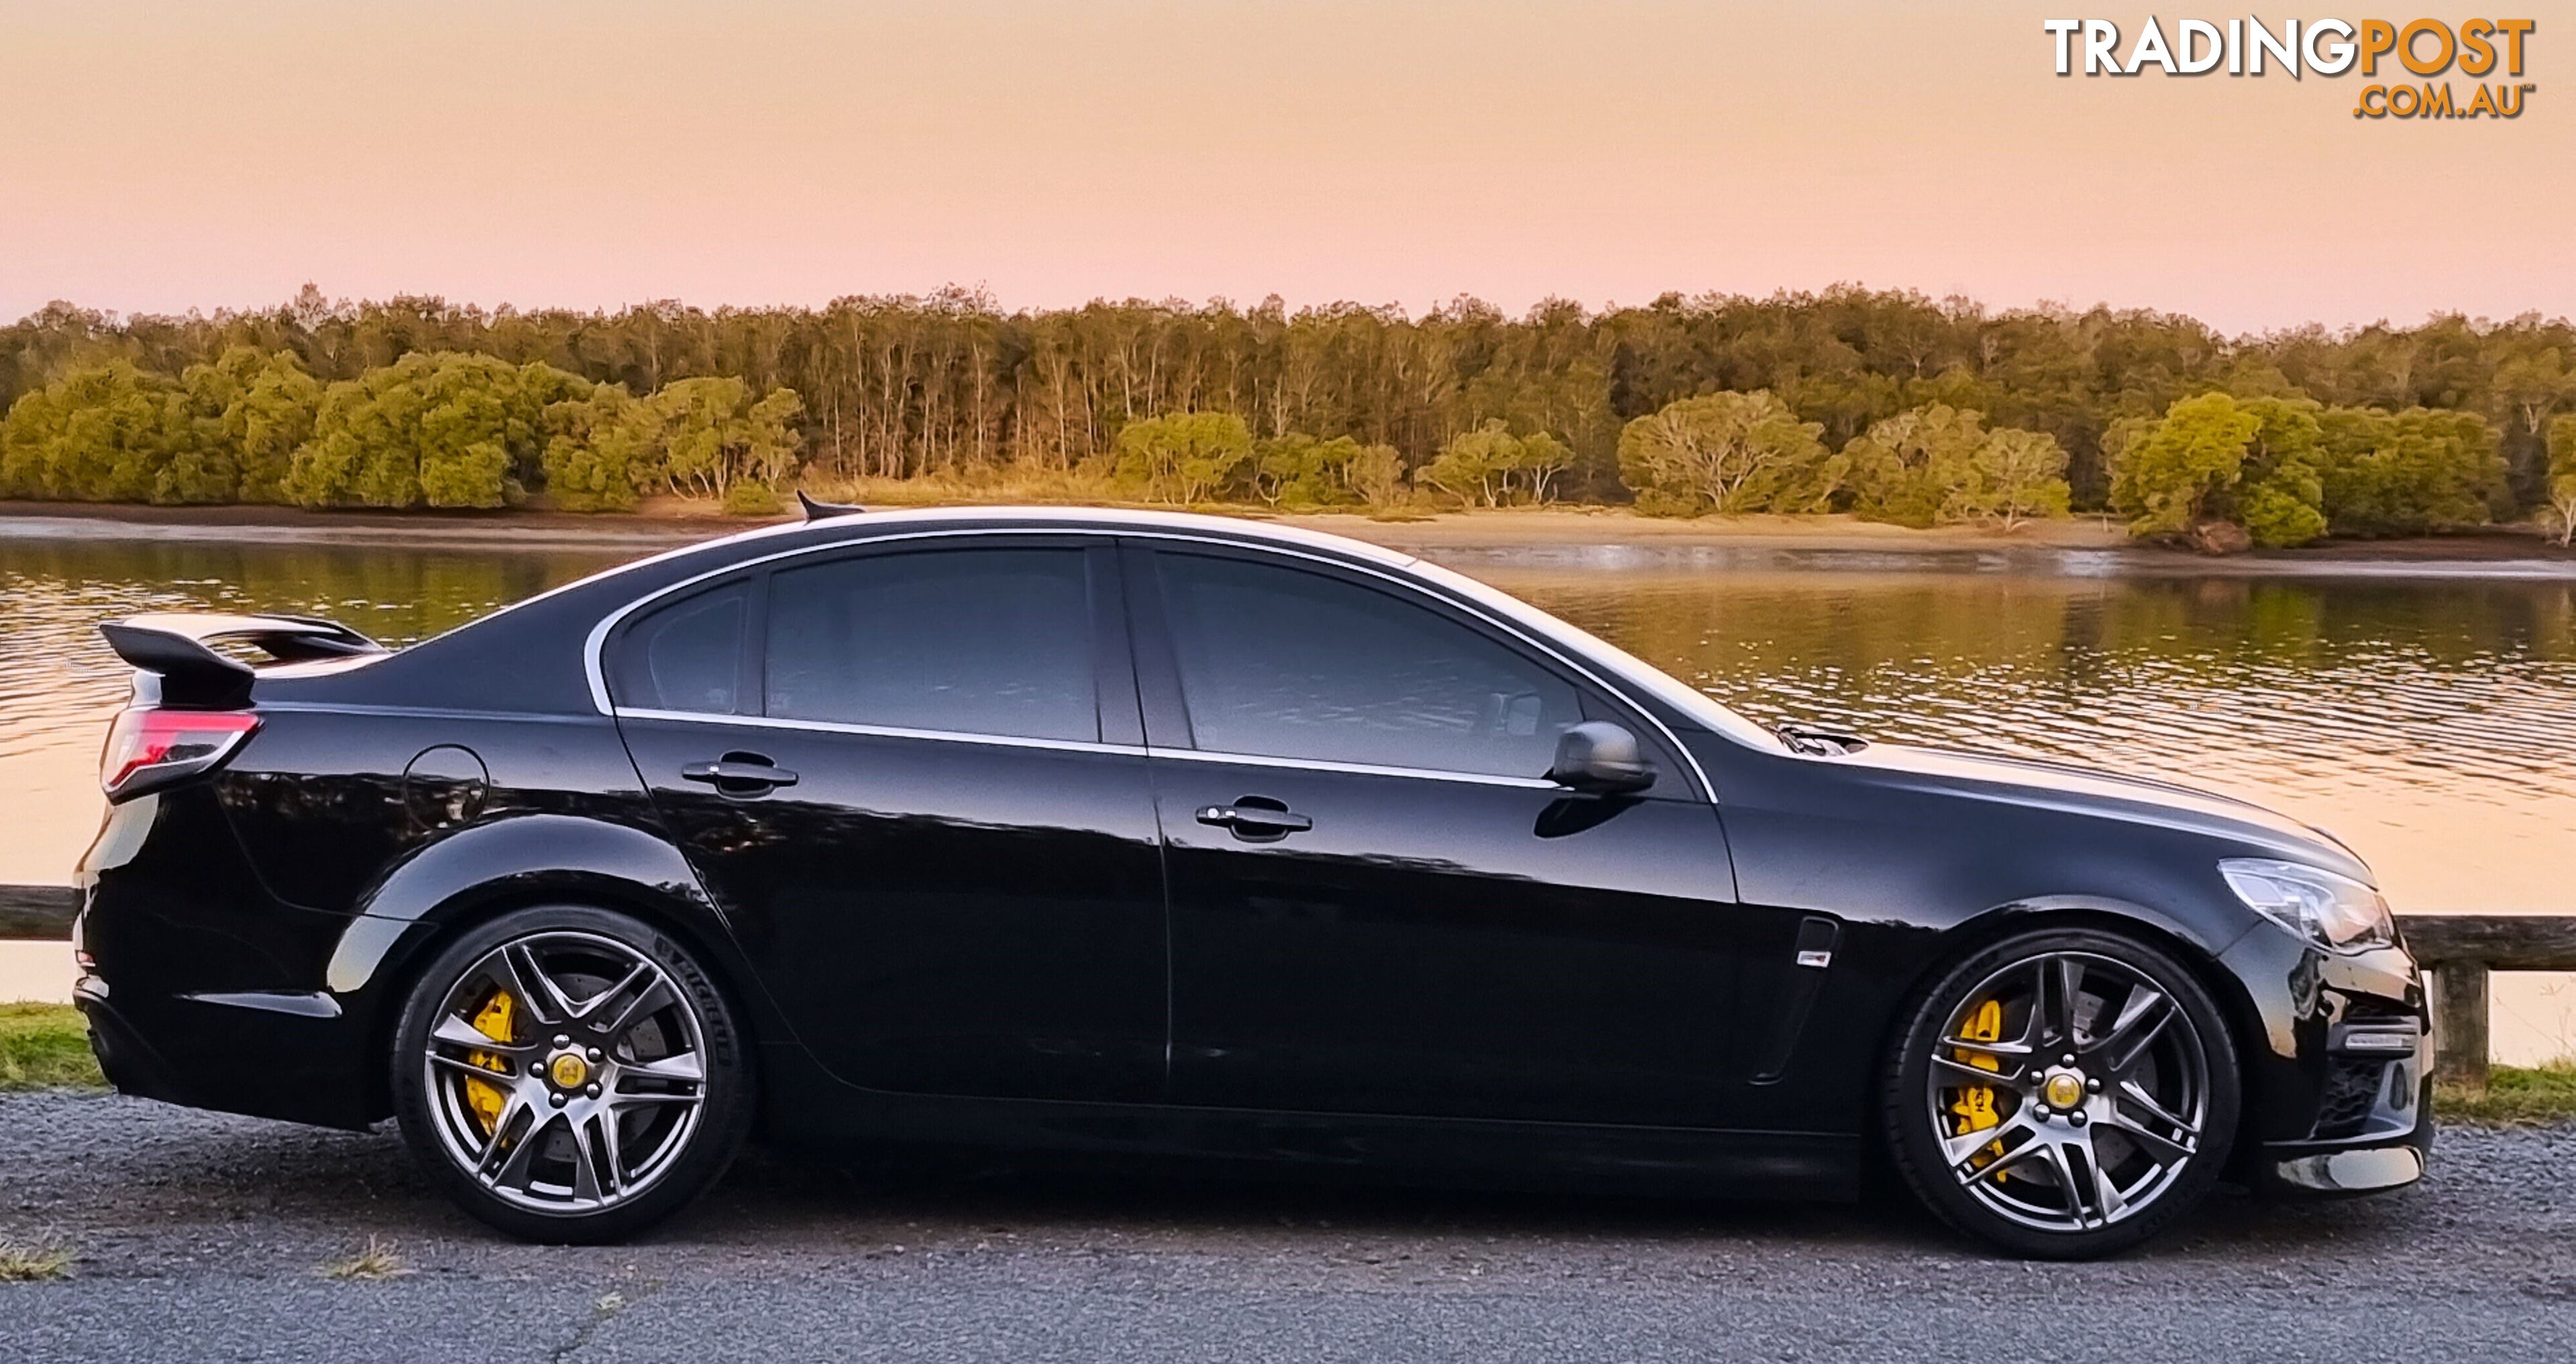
2357	1170
2375	1130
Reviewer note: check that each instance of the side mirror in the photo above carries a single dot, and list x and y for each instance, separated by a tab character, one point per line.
1600	757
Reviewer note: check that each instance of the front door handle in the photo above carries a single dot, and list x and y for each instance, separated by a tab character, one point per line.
1254	821
739	774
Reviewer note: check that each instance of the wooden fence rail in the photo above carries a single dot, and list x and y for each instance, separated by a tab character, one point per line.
2461	949
37	913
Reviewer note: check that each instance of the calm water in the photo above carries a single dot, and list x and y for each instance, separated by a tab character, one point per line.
2431	722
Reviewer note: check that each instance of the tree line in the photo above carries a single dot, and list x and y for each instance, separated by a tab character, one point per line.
434	428
1890	404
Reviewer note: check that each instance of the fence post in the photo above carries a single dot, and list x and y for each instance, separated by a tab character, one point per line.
2460	1024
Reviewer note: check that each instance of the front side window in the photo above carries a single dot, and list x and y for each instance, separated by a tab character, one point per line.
969	641
686	656
1278	662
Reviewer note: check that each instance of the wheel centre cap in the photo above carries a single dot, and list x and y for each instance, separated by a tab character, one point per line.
2064	1089
568	1070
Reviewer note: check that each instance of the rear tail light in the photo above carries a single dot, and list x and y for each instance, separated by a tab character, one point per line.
148	749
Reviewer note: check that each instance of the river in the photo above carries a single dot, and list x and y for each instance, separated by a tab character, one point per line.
2425	714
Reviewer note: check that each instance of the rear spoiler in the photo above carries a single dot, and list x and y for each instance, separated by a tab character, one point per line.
174	647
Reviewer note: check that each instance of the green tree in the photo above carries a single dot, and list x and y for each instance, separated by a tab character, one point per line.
2214	458
2562	476
1727	452
1298	470
1912	468
262	406
1377	474
2280	495
2180	470
2404	473
602	451
110	433
710	438
2013	477
432	429
1183	457
1491	467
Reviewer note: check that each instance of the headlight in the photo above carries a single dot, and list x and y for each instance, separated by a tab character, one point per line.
2329	910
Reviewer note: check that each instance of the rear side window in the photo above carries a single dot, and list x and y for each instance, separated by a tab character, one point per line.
686	656
1281	663
970	641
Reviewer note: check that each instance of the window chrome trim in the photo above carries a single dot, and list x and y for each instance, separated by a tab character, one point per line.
1088	746
1200	755
881	731
598	639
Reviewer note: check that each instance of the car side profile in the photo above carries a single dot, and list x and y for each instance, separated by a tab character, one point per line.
1135	833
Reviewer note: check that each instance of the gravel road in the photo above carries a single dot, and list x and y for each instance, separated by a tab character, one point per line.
201	1238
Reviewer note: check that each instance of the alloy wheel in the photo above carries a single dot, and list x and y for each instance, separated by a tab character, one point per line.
566	1072
2068	1092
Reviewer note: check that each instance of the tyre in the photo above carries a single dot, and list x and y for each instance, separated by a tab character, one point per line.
2064	1094
569	1074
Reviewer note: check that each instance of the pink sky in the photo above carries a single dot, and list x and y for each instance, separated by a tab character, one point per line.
166	157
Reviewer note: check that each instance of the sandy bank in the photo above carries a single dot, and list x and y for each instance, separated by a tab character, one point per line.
672	521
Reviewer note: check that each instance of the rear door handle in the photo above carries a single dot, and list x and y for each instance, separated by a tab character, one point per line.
1252	821
739	774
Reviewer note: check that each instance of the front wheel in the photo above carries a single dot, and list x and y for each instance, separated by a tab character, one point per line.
569	1074
2063	1094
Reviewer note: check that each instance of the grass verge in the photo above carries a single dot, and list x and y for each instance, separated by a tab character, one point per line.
35	1261
2514	1094
45	1046
375	1260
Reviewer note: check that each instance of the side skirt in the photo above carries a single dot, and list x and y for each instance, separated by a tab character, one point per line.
815	1113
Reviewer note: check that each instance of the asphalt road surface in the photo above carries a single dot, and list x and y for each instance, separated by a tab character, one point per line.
201	1238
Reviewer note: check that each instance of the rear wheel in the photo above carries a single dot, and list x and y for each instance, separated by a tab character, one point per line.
570	1074
2063	1094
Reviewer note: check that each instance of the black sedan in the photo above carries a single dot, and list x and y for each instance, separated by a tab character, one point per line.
1169	835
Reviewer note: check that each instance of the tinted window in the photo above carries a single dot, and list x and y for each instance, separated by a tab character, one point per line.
1289	664
685	656
981	641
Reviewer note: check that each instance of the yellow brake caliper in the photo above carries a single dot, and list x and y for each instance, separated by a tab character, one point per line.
483	1097
1975	1104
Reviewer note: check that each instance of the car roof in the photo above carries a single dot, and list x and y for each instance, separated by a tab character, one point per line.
862	524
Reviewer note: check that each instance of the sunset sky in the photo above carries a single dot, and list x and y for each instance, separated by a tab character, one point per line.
163	157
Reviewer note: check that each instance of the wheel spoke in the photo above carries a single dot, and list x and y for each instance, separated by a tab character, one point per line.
1961	1149
507	1148
526	979
684	1066
592	1005
1976	1075
2107	1198
2068	973
1969	1172
456	1032
586	1185
472	1071
2141	1019
626	1099
2072	1185
650	1000
2133	1092
2161	1149
612	1157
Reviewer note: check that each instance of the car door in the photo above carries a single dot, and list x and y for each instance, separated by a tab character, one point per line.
911	775
1379	904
